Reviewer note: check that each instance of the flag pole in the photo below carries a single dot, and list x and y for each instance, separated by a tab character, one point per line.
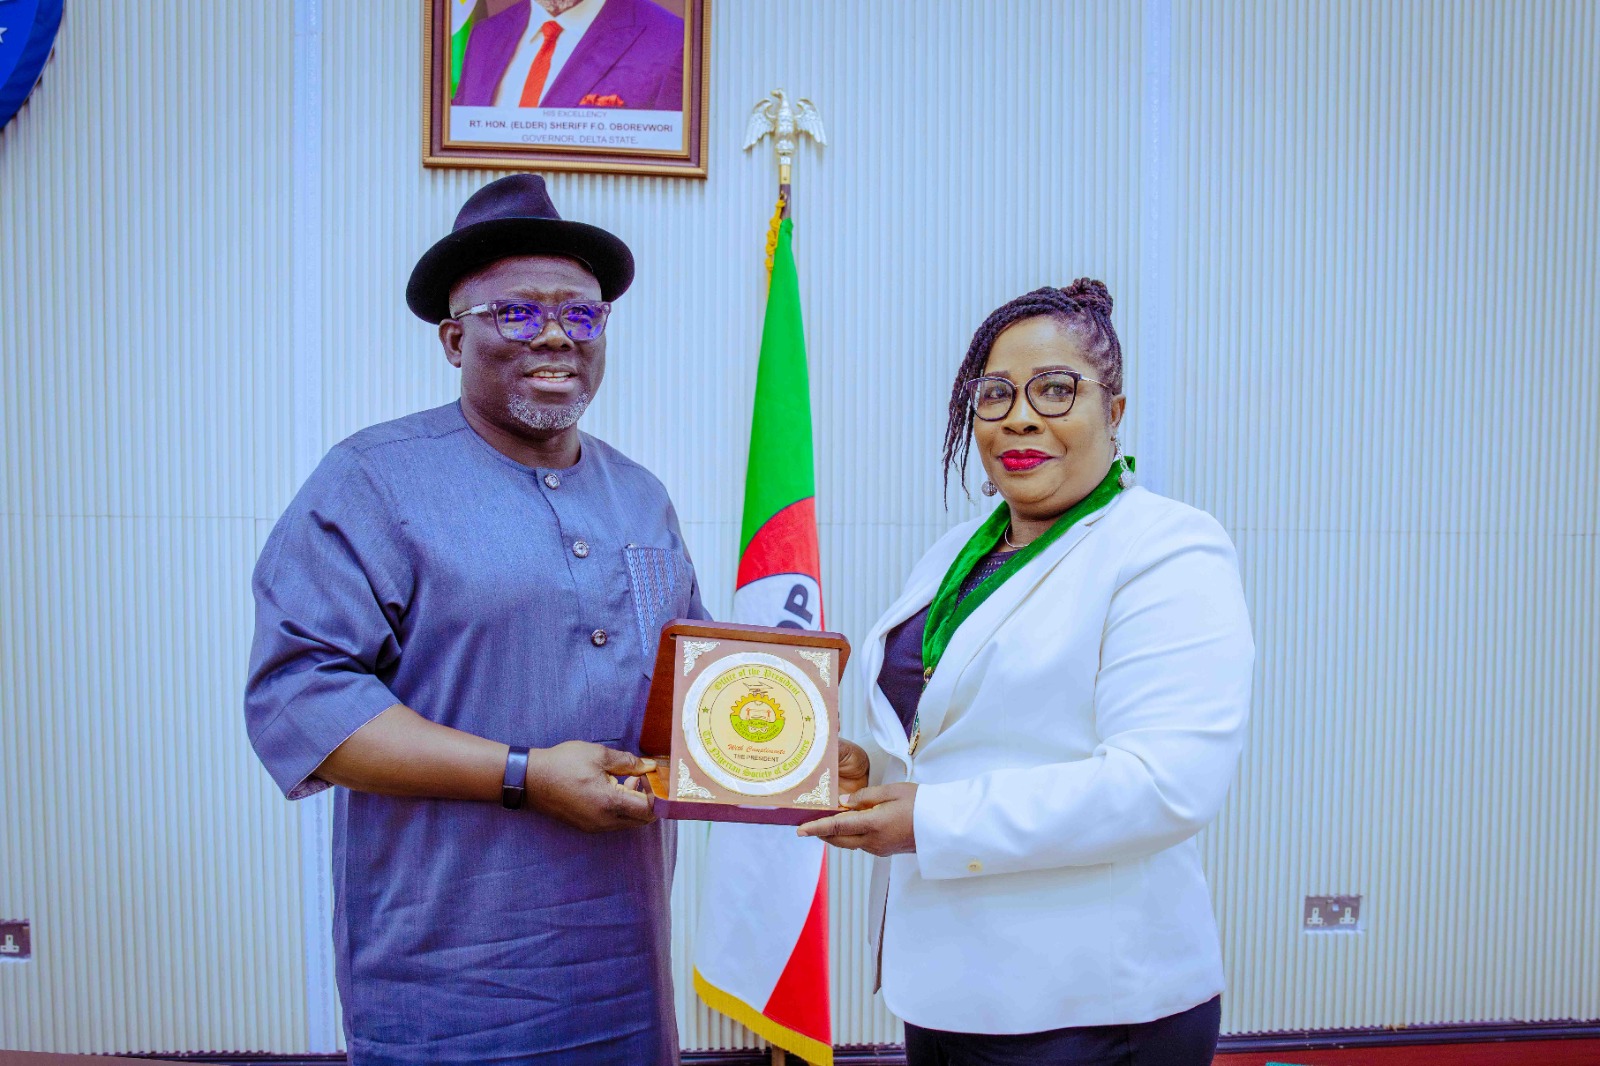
787	123
752	876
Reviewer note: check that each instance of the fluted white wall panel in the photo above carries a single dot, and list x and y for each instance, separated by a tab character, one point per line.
144	263
1381	376
1385	384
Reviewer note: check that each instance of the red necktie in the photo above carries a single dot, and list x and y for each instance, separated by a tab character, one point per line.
533	88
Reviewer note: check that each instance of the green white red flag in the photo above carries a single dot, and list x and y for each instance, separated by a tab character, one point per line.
463	16
761	884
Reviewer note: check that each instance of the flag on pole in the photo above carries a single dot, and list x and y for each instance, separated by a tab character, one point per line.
463	16
761	884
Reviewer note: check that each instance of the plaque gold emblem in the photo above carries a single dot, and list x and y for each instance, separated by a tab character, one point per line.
752	723
743	722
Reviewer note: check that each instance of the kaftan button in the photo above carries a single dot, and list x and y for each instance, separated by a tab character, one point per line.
598	638
553	480
581	549
974	867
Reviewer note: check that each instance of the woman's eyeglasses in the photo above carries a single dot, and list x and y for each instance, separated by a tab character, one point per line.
1051	393
524	320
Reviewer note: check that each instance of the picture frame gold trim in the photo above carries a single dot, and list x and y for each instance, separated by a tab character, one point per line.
690	162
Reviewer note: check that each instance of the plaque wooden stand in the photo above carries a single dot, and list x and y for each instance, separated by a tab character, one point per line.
743	723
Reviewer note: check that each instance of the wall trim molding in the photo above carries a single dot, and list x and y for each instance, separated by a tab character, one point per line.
1507	1032
1410	1036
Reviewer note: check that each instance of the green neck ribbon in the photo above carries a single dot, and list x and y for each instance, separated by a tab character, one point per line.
946	614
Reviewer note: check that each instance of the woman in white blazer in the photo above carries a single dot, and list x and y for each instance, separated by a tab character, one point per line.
1058	703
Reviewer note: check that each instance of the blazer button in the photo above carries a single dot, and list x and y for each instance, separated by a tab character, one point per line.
553	480
581	549
598	638
974	867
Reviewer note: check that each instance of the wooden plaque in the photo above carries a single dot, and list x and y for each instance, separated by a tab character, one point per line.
743	722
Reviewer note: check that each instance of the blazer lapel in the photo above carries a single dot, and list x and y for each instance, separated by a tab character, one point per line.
980	627
609	37
489	51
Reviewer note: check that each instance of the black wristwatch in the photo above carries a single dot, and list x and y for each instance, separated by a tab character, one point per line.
514	789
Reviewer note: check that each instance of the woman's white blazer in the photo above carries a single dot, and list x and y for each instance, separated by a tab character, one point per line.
1081	728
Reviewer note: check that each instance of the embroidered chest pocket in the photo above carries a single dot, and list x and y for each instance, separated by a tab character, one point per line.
661	579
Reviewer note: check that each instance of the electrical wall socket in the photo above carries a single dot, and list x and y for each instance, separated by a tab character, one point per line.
1331	914
16	940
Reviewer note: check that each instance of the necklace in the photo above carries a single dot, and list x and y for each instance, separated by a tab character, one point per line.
1006	536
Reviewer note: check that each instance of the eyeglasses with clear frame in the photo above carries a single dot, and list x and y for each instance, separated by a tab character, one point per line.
1051	394
525	320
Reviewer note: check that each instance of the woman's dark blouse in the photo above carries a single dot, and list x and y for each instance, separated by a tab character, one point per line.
901	676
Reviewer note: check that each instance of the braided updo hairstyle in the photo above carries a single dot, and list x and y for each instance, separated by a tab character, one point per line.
1084	307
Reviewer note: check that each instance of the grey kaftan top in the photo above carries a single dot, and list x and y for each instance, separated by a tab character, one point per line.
418	565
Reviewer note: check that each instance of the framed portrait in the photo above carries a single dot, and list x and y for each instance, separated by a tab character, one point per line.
617	86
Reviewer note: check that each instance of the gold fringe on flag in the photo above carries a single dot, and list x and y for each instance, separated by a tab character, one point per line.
772	234
813	1051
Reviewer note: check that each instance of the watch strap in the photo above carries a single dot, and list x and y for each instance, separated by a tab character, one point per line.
513	789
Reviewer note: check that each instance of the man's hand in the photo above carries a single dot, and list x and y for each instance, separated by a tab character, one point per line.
880	821
854	767
576	783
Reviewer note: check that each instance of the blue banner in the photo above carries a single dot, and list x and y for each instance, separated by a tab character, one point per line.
27	33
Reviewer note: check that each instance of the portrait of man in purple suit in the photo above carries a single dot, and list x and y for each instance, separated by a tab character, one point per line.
573	53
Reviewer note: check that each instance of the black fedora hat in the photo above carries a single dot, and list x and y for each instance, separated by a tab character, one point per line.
512	216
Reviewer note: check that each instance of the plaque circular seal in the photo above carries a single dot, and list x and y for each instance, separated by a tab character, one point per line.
755	723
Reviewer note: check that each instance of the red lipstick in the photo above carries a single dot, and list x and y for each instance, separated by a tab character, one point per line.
1023	459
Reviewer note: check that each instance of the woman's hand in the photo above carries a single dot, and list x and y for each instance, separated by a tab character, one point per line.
878	822
854	767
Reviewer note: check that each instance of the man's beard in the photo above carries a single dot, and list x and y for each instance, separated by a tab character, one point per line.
557	7
548	418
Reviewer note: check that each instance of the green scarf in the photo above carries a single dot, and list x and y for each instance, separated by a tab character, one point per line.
946	614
